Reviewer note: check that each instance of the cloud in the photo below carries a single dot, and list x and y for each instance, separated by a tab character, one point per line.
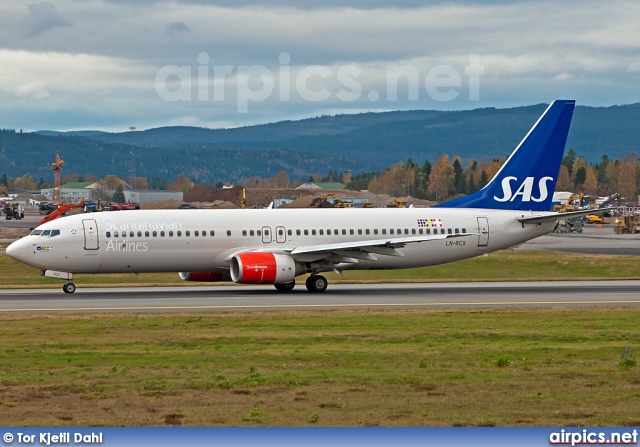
175	29
531	51
42	16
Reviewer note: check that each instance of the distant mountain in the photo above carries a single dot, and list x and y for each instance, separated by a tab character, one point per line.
360	142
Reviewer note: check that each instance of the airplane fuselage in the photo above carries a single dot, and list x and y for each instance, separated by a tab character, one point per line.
205	240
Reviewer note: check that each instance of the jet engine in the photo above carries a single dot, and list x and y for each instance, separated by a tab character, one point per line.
264	268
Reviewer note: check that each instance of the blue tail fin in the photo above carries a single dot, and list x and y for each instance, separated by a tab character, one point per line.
528	178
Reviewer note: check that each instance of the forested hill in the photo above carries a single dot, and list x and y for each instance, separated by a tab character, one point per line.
360	142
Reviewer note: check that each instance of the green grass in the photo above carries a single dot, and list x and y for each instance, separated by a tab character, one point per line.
541	367
500	266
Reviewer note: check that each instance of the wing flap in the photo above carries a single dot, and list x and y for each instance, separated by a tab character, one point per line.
556	216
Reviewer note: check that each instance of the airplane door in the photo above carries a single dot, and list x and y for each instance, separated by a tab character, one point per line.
483	229
90	234
281	237
266	235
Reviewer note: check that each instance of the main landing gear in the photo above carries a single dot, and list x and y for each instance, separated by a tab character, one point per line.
69	287
315	284
286	287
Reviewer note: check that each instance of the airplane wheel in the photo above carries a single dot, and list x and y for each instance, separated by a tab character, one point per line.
69	287
286	287
316	283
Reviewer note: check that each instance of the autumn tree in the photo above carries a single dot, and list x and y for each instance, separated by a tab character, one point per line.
71	177
590	185
181	183
627	167
564	179
441	180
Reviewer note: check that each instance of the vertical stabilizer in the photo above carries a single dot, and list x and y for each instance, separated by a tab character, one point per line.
528	178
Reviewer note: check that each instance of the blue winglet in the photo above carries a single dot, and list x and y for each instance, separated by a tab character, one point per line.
528	178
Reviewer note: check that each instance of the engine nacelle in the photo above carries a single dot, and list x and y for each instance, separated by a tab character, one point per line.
264	268
202	276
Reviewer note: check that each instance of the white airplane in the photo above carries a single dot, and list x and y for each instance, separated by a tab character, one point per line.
274	246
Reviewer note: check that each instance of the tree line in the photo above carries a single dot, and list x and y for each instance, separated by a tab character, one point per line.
441	180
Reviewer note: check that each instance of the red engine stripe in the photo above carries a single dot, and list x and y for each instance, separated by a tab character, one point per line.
258	268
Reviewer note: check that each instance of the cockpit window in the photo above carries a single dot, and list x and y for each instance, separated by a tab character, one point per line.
45	233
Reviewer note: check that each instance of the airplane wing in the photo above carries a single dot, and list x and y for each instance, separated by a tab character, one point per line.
364	250
555	216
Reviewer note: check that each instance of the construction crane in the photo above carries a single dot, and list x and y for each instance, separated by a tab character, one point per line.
56	178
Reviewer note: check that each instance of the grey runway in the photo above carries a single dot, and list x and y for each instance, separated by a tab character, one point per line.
338	296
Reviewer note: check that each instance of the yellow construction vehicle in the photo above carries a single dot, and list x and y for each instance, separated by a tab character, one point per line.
398	203
594	218
574	203
626	224
337	201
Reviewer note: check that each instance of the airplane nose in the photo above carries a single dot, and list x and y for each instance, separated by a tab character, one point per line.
18	250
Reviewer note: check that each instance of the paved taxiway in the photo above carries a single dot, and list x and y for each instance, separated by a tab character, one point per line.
349	296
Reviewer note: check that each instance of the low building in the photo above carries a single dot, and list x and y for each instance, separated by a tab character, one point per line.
151	195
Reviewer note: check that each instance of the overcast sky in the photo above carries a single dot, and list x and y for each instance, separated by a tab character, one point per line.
70	65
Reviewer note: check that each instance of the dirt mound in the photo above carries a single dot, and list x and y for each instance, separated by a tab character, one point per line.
308	202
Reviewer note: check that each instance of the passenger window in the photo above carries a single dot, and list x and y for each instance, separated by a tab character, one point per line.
108	233
336	232
251	233
367	231
428	230
259	232
187	233
406	231
413	231
139	233
146	234
170	233
266	233
179	234
344	232
196	233
289	232
328	232
297	232
464	230
457	231
313	232
390	231
281	233
306	232
244	232
130	233
212	233
384	231
442	231
204	233
351	232
375	231
321	232
229	232
449	230
359	230
115	233
162	234
155	234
